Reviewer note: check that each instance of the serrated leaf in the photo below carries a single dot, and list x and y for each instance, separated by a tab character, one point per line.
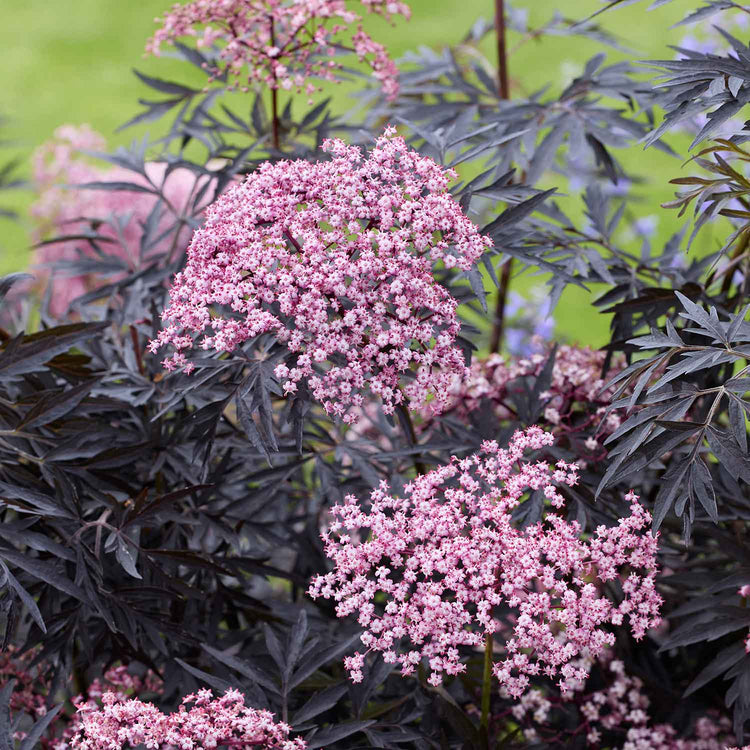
315	660
28	353
243	668
477	286
273	646
297	637
55	406
36	732
126	558
737	422
701	486
336	733
671	486
517	213
724	660
25	597
166	87
318	703
217	683
117	186
724	620
34	501
46	572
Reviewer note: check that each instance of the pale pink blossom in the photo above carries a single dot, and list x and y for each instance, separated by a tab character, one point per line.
447	555
335	259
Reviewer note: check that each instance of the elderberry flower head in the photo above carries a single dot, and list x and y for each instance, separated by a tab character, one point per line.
208	723
335	259
448	557
281	43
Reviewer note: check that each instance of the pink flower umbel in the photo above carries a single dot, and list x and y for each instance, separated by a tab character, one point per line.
209	722
335	259
281	43
453	566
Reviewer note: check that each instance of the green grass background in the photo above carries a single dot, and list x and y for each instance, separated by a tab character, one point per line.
70	61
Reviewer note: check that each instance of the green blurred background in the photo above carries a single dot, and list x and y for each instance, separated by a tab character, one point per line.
71	61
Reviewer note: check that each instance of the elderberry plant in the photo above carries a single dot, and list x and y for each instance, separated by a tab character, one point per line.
340	513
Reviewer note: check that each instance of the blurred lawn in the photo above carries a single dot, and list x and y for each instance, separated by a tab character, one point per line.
70	61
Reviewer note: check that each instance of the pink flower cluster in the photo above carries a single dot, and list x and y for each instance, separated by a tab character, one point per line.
448	557
281	43
622	707
575	404
61	209
335	259
208	723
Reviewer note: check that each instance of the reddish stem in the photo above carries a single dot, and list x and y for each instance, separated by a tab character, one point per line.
504	92
498	327
274	98
411	435
137	350
502	54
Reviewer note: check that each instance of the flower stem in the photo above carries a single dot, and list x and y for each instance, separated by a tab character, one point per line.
411	435
502	54
275	119
137	350
498	327
503	89
274	98
484	722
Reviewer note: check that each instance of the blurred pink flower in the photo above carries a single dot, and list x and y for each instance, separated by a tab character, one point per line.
622	707
62	209
32	694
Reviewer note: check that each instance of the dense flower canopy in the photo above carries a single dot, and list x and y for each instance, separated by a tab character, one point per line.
278	43
448	557
336	259
390	496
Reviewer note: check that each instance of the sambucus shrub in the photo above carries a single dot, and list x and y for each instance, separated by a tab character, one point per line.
341	513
